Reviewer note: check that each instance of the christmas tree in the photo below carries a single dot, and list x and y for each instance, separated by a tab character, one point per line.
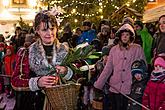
94	10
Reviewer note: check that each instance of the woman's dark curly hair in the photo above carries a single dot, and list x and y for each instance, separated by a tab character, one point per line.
45	17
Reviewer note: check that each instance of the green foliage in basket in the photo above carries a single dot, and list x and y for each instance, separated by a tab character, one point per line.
77	54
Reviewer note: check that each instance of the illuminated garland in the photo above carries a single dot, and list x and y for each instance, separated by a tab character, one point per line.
100	3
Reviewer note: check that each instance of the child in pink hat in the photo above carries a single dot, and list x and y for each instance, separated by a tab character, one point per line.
154	94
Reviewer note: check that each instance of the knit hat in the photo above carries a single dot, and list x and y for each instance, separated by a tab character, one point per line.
139	23
159	61
128	20
105	50
138	66
105	22
87	23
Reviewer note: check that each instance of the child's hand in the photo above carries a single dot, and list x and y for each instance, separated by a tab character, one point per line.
138	76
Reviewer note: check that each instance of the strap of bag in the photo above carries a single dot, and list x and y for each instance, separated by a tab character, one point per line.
21	64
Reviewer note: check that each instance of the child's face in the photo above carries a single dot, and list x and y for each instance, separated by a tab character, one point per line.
8	52
138	76
1	49
159	68
125	37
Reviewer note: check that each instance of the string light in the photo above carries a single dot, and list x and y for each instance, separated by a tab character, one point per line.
74	12
75	20
100	4
134	1
100	10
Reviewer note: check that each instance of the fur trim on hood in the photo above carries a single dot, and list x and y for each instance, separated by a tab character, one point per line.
127	28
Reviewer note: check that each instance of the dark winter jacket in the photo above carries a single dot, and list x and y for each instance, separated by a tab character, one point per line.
137	90
158	45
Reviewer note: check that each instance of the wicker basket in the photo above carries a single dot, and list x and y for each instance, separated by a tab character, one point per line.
63	97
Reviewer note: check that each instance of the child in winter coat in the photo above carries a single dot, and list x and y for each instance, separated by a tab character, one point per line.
98	69
118	66
2	48
2	52
9	63
154	94
139	81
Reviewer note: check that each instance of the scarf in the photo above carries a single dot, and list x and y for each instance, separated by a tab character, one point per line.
158	76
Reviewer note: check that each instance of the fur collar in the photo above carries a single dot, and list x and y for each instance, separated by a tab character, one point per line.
37	57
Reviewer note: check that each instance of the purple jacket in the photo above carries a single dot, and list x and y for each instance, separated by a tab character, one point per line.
119	65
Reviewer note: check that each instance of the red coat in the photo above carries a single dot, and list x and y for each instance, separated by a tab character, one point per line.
20	80
9	61
154	95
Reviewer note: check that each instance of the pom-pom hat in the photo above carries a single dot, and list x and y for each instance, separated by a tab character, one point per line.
138	66
159	61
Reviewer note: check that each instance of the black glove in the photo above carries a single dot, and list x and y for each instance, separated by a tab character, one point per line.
98	94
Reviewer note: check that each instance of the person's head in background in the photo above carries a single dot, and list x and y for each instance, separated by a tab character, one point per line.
105	30
161	23
138	25
78	31
128	20
9	50
93	26
113	32
105	52
151	28
46	27
103	22
2	39
86	25
138	69
18	30
67	28
97	44
29	39
2	47
159	64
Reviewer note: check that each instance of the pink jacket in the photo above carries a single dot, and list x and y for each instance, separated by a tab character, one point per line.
119	64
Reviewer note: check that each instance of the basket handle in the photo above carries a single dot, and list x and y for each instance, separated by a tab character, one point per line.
61	79
80	80
89	75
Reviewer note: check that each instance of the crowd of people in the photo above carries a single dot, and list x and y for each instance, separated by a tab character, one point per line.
129	75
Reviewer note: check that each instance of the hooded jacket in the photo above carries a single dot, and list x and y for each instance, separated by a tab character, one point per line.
9	61
118	66
128	28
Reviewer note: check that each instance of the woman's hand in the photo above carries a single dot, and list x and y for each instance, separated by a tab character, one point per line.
47	81
61	69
